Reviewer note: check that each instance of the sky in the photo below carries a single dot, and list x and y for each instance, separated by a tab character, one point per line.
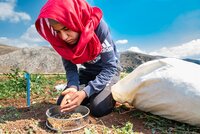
158	27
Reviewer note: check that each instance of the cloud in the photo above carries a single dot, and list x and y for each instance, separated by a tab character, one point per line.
31	35
121	42
7	12
29	39
186	50
136	49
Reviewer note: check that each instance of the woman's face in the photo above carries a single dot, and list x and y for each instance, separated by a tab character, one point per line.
66	34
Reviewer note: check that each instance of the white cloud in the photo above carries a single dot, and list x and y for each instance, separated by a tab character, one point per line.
31	35
29	39
121	42
186	50
7	12
136	49
13	42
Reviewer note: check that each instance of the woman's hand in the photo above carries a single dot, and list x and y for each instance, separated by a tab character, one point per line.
72	99
67	95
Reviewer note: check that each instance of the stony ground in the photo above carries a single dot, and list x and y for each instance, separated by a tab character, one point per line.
15	117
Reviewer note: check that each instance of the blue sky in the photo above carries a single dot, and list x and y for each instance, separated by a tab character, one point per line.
159	27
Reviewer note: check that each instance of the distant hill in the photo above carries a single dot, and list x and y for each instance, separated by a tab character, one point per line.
46	60
130	60
4	49
192	60
33	60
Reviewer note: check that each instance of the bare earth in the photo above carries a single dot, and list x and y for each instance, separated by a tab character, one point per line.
32	120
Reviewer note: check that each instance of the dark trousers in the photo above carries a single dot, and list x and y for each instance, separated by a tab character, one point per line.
101	103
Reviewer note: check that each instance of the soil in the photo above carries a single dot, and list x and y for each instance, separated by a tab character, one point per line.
68	116
67	121
32	119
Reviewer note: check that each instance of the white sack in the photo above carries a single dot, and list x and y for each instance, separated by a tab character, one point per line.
167	87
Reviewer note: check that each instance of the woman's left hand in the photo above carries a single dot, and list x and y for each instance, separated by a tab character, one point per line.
75	100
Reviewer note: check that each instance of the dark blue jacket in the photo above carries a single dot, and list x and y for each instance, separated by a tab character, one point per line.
104	66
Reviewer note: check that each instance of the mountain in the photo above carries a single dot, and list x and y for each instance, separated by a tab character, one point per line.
4	49
46	60
33	60
130	60
193	61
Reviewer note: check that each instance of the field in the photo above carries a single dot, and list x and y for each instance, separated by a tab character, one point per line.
16	117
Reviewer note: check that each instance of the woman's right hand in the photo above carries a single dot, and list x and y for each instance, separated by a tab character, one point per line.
67	95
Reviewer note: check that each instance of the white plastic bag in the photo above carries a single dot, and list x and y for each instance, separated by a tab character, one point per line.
167	87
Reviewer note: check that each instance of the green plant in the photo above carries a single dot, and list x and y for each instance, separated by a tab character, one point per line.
163	125
123	74
40	83
89	131
14	85
37	83
126	129
11	113
128	69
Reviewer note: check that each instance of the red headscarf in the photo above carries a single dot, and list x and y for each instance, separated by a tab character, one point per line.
78	16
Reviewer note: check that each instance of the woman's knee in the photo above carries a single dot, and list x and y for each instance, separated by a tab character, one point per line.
99	109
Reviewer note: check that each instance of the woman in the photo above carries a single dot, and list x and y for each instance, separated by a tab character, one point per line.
78	33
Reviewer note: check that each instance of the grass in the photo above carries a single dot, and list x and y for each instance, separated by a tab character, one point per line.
159	124
123	74
40	82
163	125
13	85
126	129
11	113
